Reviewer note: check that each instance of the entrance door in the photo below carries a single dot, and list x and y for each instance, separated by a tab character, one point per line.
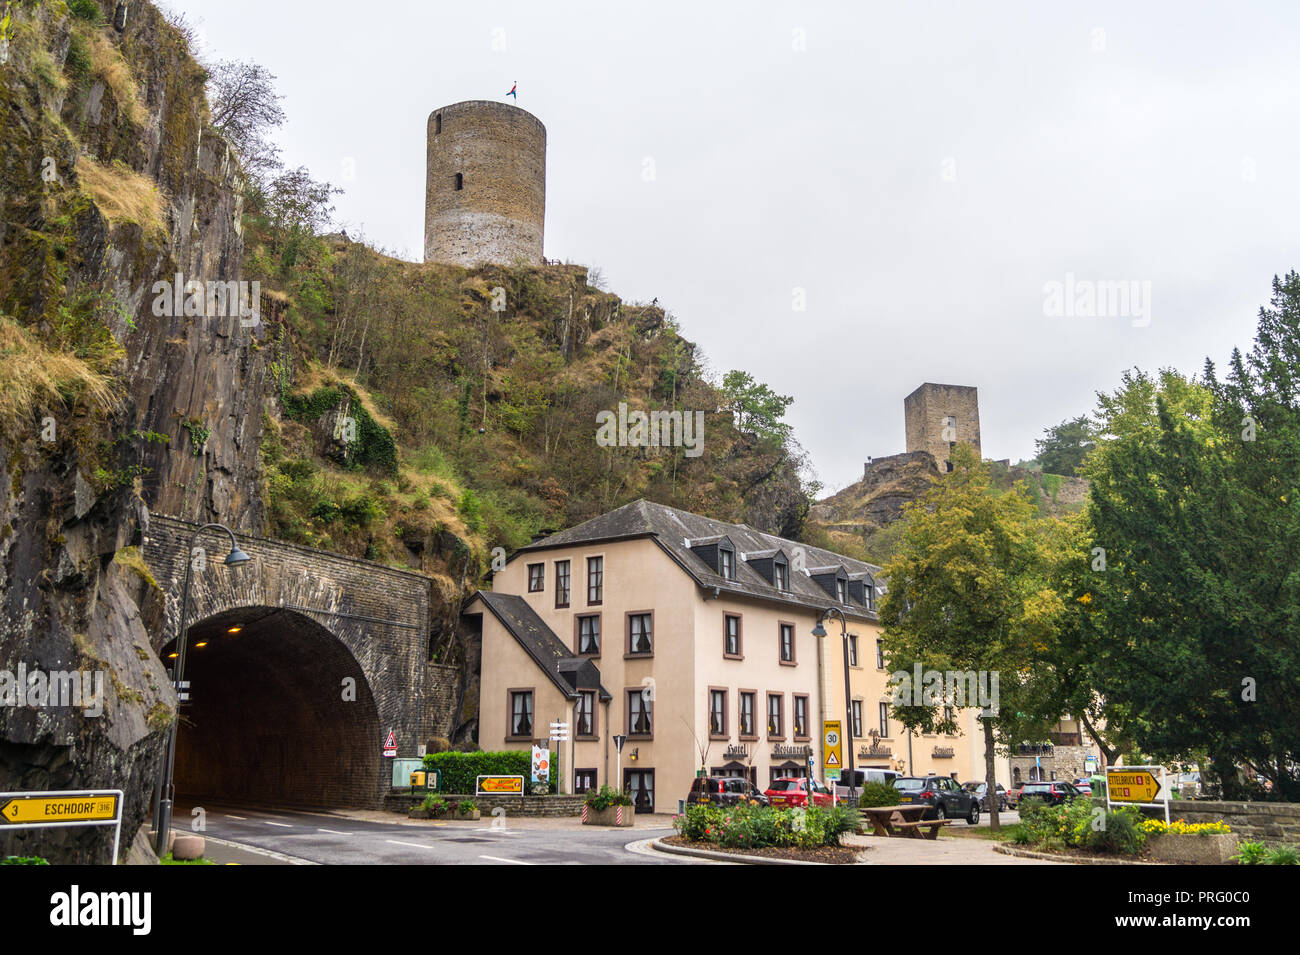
640	783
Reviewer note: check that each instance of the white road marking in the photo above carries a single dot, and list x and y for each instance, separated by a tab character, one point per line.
334	832
240	818
511	861
414	845
282	825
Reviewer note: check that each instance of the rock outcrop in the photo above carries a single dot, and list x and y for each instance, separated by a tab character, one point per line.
112	182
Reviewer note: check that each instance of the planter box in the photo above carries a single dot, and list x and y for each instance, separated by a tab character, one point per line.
609	817
418	813
1213	849
469	816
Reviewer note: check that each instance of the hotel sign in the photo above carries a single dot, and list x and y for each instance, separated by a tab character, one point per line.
875	751
736	751
942	752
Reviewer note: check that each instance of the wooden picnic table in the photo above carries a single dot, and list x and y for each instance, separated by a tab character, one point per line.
903	821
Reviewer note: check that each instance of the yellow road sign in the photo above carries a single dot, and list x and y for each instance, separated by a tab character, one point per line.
20	809
1132	785
506	785
833	748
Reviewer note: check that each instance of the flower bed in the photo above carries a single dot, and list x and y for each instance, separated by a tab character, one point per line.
748	827
1081	827
828	855
607	806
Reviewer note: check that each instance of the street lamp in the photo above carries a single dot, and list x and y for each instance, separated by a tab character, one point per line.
236	558
820	631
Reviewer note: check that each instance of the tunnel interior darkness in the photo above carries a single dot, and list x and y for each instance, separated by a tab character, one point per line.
267	722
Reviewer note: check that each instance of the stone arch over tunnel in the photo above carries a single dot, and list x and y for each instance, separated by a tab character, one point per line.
267	721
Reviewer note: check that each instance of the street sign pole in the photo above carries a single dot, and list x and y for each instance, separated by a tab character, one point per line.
618	772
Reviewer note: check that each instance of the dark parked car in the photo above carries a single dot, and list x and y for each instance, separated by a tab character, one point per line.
724	791
1051	793
980	789
946	799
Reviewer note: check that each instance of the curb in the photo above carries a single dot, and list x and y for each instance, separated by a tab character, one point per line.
726	856
292	860
1068	860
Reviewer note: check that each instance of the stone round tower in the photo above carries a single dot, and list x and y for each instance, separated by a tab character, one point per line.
485	192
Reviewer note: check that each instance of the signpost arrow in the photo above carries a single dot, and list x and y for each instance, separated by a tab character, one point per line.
1138	785
21	809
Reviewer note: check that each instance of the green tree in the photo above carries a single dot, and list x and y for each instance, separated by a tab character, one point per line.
1196	616
968	591
1065	445
755	407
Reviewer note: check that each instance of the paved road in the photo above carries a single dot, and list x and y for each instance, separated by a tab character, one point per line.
342	839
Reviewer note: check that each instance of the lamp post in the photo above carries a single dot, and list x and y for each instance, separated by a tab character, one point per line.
235	558
820	631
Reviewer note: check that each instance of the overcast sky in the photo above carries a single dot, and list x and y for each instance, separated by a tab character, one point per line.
921	171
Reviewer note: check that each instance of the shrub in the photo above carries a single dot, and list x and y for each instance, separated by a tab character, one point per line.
746	826
878	794
435	804
1122	833
460	771
606	796
87	10
1282	855
466	806
1251	853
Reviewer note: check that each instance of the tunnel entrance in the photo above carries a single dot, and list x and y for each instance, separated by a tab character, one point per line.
269	721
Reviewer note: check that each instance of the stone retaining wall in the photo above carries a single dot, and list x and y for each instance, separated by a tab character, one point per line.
1251	821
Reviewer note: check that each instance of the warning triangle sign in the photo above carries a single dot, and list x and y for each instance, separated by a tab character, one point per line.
391	741
831	759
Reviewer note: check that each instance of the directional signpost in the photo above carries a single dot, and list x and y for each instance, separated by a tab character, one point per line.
618	757
499	786
75	807
1138	786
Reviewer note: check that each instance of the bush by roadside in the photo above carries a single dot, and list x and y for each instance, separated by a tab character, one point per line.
1081	824
460	771
754	827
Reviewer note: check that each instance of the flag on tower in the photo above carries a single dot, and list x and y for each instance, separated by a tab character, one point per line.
514	91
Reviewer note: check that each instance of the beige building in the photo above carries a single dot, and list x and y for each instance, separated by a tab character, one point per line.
693	639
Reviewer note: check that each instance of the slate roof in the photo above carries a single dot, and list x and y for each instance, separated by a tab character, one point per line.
566	669
672	528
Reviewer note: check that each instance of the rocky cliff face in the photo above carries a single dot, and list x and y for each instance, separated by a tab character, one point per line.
112	182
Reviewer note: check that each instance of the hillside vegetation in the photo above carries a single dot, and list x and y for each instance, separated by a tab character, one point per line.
474	396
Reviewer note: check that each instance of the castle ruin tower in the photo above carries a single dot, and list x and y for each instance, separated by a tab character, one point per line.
485	191
938	417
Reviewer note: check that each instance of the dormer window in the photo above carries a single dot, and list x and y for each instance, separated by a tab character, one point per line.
781	574
869	600
727	563
842	591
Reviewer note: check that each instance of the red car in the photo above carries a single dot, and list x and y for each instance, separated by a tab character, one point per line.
787	793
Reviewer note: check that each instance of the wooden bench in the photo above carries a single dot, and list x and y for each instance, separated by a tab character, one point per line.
913	829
